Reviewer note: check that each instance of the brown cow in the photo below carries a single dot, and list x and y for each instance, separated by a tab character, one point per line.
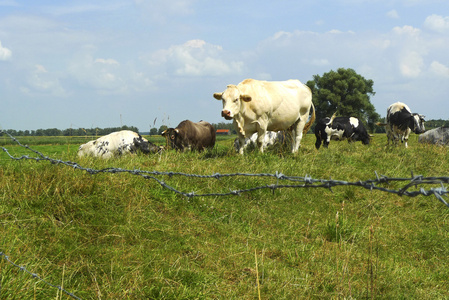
192	136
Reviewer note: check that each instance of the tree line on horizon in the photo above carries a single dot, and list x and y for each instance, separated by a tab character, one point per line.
430	124
343	92
99	131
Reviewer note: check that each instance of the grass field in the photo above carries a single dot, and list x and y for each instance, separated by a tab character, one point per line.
119	236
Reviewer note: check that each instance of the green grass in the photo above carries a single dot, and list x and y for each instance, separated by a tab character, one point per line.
119	236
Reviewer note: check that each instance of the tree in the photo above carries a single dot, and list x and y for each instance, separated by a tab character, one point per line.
161	129
346	93
153	131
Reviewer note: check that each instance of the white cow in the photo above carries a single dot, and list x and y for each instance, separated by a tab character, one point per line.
259	106
117	143
401	122
271	138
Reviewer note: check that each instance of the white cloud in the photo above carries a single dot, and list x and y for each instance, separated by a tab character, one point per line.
5	53
40	81
106	75
407	30
411	64
439	69
437	23
194	58
99	74
40	69
108	61
393	14
335	31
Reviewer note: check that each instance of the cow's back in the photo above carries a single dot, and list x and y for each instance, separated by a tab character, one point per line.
197	136
205	135
279	103
107	146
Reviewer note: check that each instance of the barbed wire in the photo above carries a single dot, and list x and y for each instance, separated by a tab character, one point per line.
34	275
304	182
299	182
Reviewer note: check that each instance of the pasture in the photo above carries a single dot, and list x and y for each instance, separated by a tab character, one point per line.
119	236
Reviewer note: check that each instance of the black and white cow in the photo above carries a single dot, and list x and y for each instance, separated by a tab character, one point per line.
437	136
117	143
340	128
271	138
401	122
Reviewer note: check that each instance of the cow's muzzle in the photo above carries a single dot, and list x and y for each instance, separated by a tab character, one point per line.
226	114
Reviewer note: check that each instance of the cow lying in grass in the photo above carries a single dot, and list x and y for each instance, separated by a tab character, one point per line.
190	136
271	138
116	144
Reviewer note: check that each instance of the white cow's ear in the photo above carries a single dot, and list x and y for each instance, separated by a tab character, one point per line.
245	98
218	96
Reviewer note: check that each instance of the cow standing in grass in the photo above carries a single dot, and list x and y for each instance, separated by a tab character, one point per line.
190	136
261	106
401	122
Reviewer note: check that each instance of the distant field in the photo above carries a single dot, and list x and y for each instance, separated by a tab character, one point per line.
120	236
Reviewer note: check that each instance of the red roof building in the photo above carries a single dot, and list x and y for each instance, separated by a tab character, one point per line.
223	131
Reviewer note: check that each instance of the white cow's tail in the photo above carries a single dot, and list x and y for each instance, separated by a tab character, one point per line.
309	124
332	118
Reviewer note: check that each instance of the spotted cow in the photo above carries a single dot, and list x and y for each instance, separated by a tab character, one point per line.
116	144
401	122
340	128
271	138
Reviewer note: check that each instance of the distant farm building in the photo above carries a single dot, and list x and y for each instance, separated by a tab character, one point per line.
223	131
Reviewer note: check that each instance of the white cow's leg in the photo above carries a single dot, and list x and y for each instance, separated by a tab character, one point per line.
297	134
298	139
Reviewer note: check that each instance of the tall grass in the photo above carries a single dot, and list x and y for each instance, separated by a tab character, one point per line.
118	236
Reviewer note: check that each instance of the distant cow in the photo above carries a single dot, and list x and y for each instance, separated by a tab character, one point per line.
259	106
271	138
438	136
401	122
192	136
340	128
117	143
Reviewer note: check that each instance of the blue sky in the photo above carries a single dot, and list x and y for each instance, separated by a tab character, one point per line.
149	63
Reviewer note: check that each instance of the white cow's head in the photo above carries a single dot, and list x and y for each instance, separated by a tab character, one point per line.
86	149
231	98
418	126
